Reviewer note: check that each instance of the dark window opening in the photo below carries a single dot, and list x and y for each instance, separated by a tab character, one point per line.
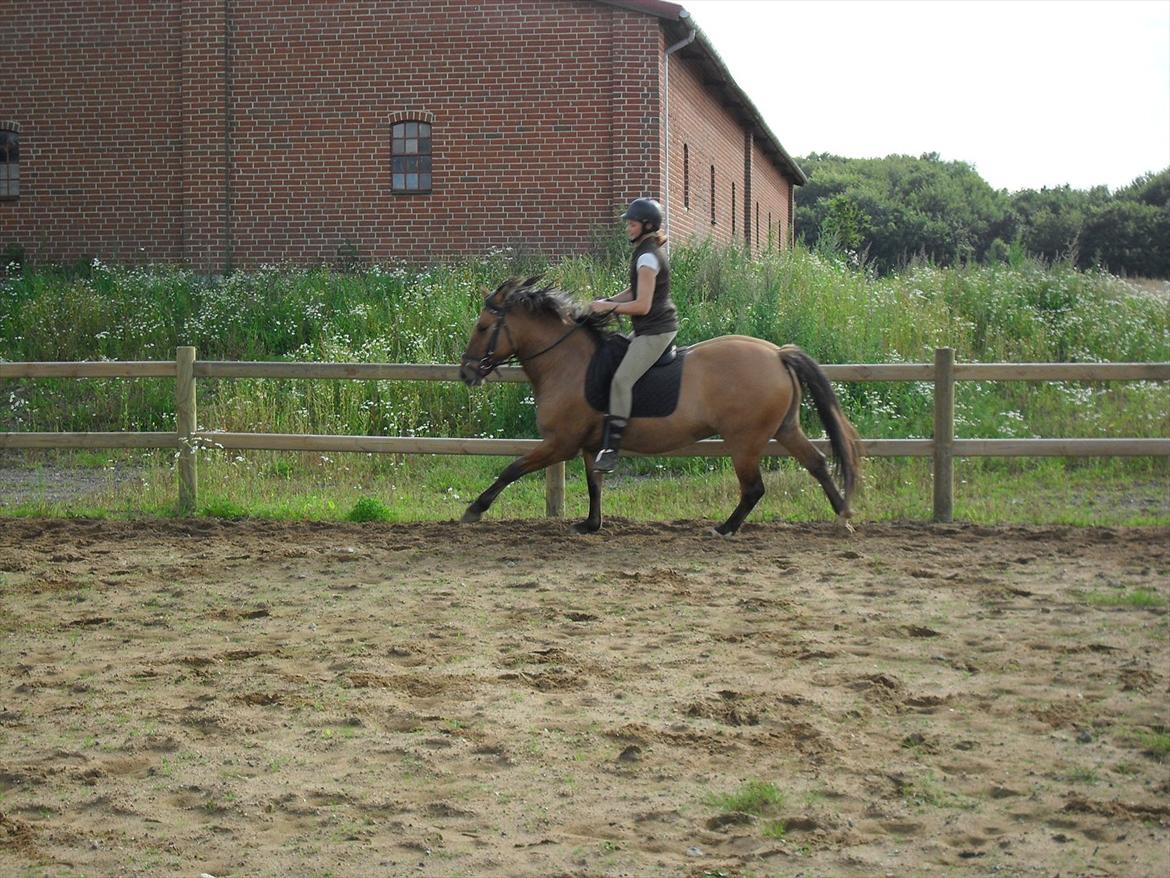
9	164
712	195
411	157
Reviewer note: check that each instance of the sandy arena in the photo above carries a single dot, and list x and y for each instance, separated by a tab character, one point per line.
181	698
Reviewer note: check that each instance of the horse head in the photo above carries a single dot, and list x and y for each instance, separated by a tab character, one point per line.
493	341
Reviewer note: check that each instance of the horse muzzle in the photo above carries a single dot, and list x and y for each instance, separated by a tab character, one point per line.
471	373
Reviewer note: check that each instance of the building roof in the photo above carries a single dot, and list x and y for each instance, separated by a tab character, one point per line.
678	24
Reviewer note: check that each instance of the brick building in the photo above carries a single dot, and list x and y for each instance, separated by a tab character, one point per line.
229	133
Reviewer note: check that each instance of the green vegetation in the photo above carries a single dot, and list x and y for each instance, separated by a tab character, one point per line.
1019	311
929	792
775	830
754	797
1138	597
1156	743
899	208
370	509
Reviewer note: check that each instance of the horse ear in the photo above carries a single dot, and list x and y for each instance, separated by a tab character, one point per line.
532	281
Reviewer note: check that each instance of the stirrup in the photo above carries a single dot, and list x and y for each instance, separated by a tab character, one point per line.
607	459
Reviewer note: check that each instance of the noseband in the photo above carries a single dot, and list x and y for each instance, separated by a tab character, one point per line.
488	363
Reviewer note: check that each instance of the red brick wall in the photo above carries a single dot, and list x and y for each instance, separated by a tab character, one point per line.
202	121
546	120
638	135
123	126
95	89
770	191
713	136
521	94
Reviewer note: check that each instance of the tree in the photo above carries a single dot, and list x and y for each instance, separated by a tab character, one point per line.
1129	238
902	207
898	208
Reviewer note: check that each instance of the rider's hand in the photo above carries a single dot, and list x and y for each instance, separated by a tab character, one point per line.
602	306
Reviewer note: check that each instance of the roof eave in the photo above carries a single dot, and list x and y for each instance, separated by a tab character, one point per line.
657	8
678	23
704	50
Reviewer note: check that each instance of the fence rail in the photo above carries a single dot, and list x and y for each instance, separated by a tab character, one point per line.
942	374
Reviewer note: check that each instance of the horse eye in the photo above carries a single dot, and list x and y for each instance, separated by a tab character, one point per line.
481	329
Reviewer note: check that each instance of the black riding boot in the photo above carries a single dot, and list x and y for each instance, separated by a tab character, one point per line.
611	444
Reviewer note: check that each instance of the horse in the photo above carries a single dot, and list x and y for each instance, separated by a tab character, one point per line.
744	389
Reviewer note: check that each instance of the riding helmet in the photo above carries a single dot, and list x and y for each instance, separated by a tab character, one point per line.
646	211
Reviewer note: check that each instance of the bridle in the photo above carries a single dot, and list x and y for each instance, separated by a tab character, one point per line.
488	363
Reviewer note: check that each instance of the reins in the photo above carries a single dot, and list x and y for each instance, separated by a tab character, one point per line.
488	363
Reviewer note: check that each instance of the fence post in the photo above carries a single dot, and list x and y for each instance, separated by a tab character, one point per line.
944	434
554	490
185	427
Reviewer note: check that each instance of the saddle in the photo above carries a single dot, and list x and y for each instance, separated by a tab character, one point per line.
655	393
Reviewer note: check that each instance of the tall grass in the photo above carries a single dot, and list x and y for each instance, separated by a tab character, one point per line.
392	313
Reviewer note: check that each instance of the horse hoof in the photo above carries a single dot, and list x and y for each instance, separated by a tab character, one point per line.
584	528
726	536
845	524
471	516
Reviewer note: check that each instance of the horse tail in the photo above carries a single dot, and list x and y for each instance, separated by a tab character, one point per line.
843	436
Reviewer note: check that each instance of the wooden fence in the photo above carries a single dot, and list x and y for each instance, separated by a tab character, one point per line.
943	447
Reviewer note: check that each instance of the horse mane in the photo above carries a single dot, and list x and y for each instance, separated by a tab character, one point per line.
526	293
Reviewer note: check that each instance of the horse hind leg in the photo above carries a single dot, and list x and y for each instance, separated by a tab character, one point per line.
792	437
751	489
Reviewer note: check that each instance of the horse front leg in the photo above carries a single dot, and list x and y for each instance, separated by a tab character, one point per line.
593	479
543	455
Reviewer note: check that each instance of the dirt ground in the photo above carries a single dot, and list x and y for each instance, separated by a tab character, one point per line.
505	699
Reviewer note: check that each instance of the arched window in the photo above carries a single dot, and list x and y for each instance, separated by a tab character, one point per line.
9	160
411	157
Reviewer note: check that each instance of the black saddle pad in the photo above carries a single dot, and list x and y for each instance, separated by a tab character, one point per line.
655	394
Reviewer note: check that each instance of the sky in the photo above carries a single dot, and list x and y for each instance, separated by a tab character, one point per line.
1032	93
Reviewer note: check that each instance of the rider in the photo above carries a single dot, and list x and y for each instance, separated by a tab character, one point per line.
652	313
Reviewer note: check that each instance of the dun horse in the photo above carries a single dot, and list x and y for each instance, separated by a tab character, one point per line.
745	389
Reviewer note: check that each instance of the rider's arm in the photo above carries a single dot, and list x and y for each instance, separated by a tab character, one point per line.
613	304
645	297
627	302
